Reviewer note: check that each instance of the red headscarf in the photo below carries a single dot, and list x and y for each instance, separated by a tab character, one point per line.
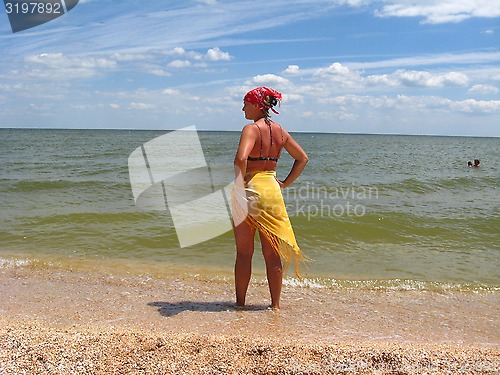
262	96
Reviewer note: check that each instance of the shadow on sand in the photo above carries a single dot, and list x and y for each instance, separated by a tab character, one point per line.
169	309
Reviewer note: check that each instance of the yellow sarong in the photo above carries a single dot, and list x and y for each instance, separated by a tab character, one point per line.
262	206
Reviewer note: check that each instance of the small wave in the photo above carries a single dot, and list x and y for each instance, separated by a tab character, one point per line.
30	186
414	185
421	187
304	283
14	263
388	285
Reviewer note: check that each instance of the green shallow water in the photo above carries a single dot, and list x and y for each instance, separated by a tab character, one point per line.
370	210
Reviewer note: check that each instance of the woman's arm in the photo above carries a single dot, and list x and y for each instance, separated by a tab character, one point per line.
301	159
247	141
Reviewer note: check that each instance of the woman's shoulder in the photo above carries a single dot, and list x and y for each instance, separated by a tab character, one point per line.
250	131
250	127
282	129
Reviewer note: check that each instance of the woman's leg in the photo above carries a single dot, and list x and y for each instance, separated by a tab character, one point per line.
274	270
244	235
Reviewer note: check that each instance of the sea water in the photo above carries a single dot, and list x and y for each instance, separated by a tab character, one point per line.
370	211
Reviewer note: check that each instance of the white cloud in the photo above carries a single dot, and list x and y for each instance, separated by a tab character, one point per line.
140	106
60	66
41	108
344	115
351	101
129	56
270	79
181	52
341	75
88	107
407	103
12	87
215	54
403	104
354	3
59	60
346	78
180	64
484	89
292	69
476	106
382	80
159	72
170	92
293	98
177	51
441	11
427	79
336	69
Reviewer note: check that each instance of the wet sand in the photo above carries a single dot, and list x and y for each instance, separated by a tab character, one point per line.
55	321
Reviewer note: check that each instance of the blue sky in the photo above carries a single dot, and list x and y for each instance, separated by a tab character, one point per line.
347	66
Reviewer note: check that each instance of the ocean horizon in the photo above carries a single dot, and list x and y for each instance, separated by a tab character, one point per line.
239	131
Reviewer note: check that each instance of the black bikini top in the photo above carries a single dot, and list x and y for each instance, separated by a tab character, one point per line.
260	158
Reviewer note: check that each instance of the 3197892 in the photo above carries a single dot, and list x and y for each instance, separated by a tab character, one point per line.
33	8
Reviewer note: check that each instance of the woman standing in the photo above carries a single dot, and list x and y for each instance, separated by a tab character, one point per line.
257	200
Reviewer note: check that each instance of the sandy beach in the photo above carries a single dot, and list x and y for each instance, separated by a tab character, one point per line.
56	321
